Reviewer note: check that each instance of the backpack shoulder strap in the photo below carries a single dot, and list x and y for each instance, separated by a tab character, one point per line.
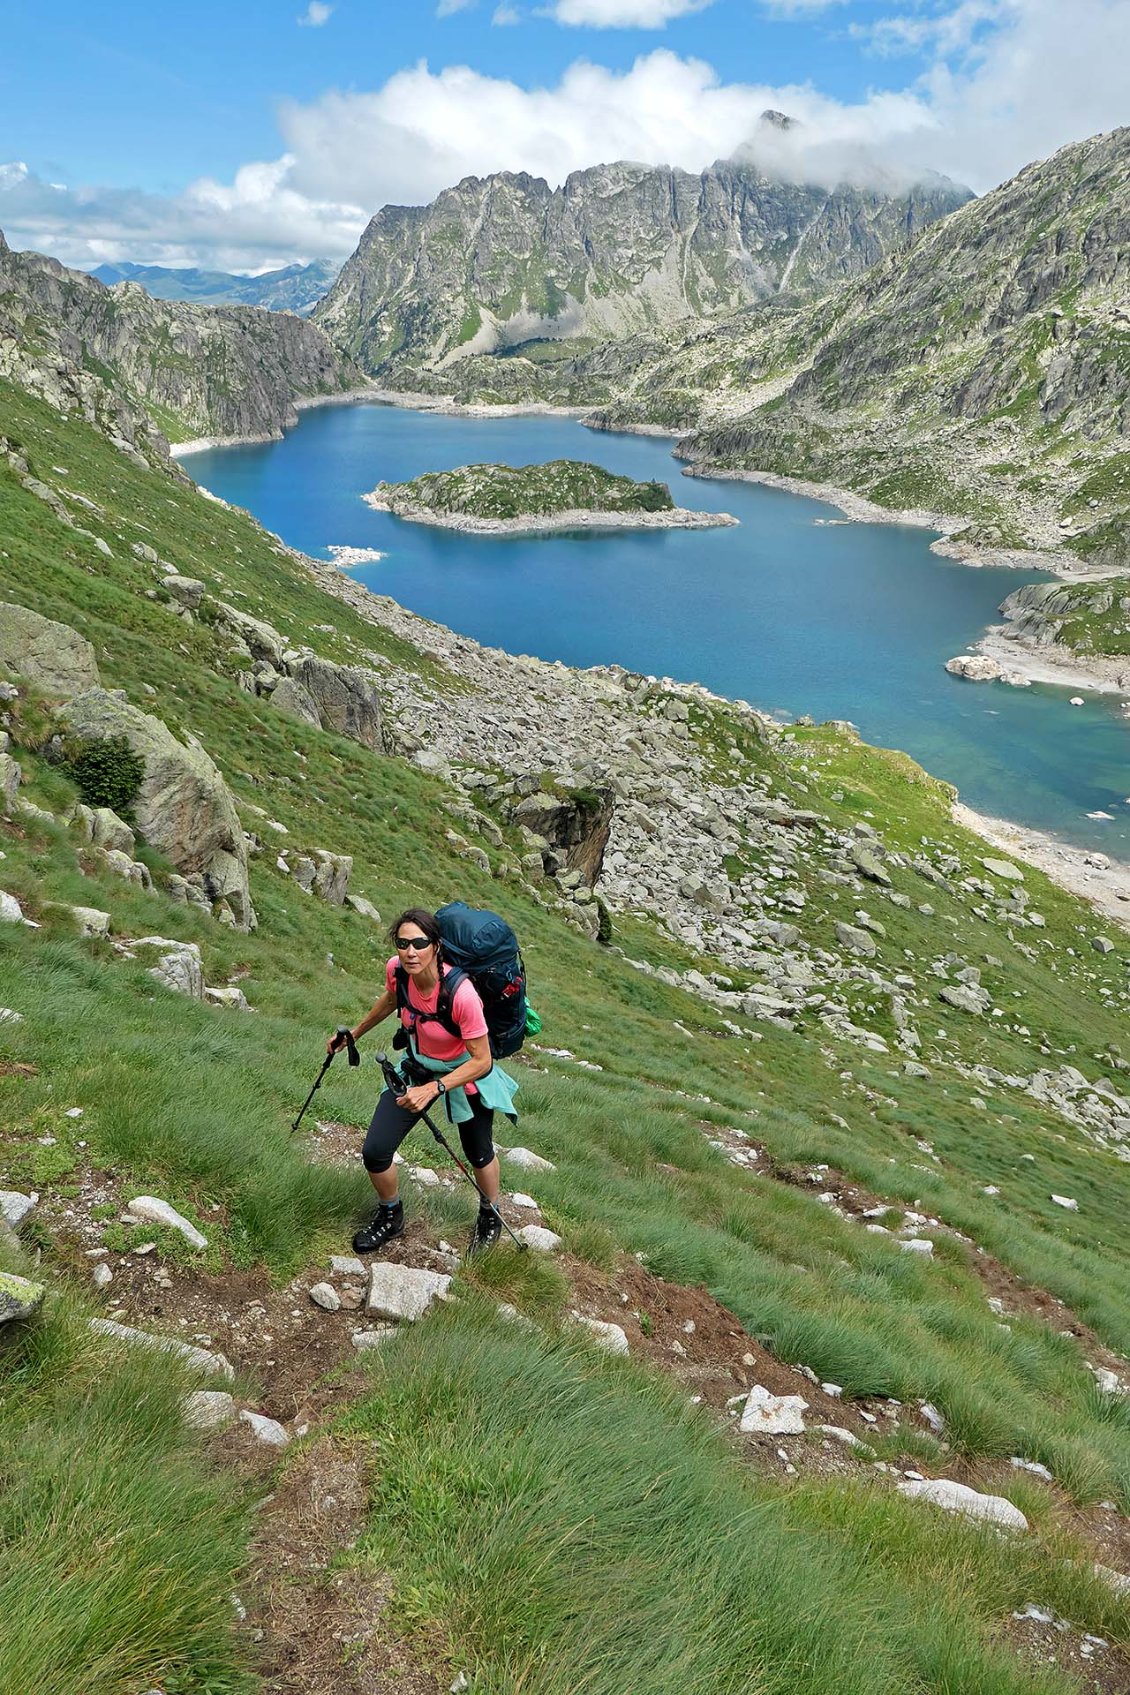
443	1014
449	982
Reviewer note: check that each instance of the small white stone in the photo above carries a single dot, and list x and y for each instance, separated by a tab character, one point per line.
765	1414
918	1245
932	1416
1033	1466
73	1112
10	909
268	1430
526	1160
364	1340
521	1200
541	1240
102	1275
424	1175
847	1437
208	1409
324	1295
610	1337
343	1266
1066	1201
15	1207
9	1016
957	1498
154	1211
834	1391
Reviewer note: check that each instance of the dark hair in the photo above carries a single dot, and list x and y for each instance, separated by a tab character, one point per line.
425	921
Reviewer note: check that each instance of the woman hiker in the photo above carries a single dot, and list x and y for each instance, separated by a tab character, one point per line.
465	1078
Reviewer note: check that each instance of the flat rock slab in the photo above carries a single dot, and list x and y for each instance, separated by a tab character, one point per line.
15	1207
343	1266
150	1210
610	1337
1002	869
199	1359
405	1292
20	1297
957	1498
772	1415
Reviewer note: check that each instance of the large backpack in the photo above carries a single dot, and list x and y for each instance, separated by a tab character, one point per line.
481	946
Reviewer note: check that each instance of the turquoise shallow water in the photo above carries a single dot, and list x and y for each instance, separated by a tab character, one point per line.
792	610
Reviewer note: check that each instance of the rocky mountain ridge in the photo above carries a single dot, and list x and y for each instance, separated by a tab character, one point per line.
141	365
619	249
293	288
980	372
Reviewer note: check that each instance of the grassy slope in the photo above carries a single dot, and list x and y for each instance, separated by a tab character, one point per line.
195	1103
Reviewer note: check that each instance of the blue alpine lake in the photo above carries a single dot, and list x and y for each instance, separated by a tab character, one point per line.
793	610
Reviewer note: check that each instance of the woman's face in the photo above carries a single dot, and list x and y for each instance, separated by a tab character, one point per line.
415	952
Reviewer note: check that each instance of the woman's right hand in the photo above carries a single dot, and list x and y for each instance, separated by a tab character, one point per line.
335	1043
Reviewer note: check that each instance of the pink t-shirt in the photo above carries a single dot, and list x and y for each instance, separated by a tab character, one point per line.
431	1037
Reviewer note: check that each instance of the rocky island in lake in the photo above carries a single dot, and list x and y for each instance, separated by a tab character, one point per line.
565	494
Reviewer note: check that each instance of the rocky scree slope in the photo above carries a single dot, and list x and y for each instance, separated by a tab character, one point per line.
128	361
505	260
982	372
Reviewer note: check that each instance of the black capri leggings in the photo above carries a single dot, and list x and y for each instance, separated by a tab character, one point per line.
391	1123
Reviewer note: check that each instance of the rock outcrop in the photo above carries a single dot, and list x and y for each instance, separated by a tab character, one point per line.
215	370
49	654
184	807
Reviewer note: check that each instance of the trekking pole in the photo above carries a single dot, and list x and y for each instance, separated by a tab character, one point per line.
396	1084
346	1035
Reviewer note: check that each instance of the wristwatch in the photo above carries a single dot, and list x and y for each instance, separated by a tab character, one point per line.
441	1087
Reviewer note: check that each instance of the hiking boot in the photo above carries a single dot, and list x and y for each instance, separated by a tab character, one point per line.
488	1228
386	1222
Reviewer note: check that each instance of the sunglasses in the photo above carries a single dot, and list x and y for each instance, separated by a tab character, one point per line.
416	943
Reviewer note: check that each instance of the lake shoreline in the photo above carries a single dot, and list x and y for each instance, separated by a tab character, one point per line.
1052	664
536	524
1098	878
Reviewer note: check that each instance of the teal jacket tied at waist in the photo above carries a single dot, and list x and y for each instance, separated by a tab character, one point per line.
496	1090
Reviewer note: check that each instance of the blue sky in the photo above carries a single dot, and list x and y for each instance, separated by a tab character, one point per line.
254	131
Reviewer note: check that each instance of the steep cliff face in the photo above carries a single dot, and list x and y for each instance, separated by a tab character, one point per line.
617	250
984	370
129	361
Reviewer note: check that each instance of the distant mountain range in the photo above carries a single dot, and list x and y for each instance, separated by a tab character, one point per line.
506	262
295	288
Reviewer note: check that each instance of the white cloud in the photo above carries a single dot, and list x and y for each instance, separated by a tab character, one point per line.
1007	83
315	15
506	14
447	7
251	223
623	14
1013	80
425	130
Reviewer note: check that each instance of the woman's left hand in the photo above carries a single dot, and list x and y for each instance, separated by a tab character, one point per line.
419	1098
